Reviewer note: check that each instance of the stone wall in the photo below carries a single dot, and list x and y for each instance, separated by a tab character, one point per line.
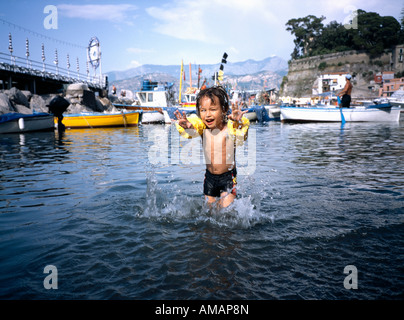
303	73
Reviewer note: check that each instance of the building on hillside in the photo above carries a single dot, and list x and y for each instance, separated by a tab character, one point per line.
397	58
329	82
380	77
390	86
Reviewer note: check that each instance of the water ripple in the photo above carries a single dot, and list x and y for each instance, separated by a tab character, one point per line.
120	227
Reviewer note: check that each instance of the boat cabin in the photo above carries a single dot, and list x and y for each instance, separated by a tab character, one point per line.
155	95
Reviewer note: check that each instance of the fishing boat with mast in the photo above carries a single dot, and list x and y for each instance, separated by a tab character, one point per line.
188	99
153	100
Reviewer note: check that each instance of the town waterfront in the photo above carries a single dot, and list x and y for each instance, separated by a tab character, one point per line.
118	224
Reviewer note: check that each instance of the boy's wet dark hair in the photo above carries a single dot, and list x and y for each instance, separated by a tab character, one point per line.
211	93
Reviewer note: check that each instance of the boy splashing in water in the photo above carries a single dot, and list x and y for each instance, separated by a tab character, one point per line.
220	134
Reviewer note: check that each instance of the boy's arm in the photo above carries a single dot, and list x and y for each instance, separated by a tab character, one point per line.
195	129
239	129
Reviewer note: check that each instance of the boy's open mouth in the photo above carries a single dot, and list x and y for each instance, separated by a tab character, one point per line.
209	121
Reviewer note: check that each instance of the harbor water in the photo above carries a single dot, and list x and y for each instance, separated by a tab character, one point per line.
119	214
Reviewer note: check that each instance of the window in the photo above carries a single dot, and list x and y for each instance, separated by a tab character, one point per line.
150	97
142	96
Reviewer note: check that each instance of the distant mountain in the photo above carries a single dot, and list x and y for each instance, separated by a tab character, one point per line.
273	64
246	75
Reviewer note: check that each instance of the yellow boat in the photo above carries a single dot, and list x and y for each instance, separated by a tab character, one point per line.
101	120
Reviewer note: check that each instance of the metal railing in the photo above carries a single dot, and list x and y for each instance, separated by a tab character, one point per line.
30	67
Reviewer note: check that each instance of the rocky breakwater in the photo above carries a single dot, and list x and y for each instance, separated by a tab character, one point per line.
81	99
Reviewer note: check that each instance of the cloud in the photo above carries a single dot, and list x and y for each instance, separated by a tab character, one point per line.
242	27
185	21
212	21
112	13
133	64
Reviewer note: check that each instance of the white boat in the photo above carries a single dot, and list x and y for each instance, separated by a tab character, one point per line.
396	99
251	114
150	114
274	111
370	113
262	113
155	101
188	99
18	122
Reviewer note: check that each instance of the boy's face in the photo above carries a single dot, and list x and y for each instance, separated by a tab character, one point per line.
211	113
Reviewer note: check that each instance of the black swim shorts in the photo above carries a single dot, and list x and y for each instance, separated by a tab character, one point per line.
346	101
215	184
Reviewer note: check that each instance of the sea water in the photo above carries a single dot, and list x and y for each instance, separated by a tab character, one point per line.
119	214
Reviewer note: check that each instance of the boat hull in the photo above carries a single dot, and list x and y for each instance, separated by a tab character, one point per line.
150	114
102	120
152	117
27	123
188	105
382	113
251	115
273	111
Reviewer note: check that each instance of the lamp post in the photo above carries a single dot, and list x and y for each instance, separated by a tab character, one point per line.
43	58
68	66
56	61
10	48
27	53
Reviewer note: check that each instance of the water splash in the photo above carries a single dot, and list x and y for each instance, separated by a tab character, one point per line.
168	202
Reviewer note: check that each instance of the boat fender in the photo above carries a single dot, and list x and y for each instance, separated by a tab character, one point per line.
21	123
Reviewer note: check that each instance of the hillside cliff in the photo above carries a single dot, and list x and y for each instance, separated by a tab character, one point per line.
303	73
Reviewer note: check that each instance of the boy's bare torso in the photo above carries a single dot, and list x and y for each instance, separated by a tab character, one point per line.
219	150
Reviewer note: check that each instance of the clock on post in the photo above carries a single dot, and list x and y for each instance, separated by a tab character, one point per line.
94	52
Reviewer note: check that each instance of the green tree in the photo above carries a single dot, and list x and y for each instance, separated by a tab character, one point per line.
334	38
375	33
305	30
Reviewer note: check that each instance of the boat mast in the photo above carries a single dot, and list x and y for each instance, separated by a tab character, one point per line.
199	75
190	76
182	71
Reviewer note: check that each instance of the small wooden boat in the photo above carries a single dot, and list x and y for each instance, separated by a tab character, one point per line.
369	113
101	119
18	122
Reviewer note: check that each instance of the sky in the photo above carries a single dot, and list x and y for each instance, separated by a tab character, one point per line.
133	33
